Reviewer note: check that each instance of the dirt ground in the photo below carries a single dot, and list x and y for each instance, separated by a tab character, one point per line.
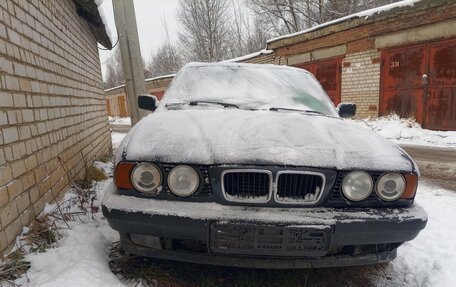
437	165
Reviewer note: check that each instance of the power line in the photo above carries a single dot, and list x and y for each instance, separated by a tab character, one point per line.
113	54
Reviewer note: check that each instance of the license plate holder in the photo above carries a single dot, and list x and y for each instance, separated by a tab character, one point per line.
251	239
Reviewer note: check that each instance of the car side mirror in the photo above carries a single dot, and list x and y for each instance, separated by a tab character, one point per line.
346	110
147	102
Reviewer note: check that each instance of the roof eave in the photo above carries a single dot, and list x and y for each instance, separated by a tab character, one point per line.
88	10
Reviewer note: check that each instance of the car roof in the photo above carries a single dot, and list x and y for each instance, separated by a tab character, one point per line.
243	65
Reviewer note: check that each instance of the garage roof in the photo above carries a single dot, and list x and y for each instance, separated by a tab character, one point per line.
88	9
354	20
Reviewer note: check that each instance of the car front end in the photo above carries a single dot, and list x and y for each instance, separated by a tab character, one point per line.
230	182
262	217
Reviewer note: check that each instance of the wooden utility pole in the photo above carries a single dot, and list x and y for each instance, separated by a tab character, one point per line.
124	14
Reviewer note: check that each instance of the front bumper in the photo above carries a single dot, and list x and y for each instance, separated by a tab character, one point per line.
346	229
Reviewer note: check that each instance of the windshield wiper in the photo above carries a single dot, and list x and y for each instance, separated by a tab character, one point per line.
195	103
225	105
274	109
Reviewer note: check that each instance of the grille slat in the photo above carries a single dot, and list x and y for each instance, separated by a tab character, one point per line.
297	187
246	185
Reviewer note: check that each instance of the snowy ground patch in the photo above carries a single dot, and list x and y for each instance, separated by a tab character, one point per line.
117	139
430	259
408	131
81	258
120	121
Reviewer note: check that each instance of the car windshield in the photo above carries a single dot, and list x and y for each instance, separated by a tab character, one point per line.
248	86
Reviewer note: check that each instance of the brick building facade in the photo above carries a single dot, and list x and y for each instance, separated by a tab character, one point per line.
53	116
381	57
361	81
378	58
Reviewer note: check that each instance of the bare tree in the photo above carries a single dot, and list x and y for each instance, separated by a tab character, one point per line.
240	27
165	61
114	70
205	33
284	16
338	8
250	34
289	16
257	36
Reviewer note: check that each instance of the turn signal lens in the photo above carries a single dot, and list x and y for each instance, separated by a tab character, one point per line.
122	175
411	180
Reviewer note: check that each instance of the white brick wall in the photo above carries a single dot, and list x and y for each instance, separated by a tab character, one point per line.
52	106
361	82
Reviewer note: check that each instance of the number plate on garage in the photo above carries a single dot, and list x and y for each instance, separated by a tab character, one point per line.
310	241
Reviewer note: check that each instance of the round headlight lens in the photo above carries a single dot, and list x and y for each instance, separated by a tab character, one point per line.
146	178
183	180
390	186
357	185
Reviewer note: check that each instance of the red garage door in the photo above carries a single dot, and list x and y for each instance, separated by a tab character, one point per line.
158	94
440	110
328	73
420	82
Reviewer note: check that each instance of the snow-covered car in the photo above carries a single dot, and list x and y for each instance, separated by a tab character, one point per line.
253	166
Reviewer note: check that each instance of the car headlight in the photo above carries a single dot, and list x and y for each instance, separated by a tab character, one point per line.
357	185
146	178
390	186
183	180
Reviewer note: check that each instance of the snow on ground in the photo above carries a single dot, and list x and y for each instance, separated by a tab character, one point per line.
119	121
117	139
81	257
408	131
430	259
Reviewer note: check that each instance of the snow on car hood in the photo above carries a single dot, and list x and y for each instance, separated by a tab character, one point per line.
230	136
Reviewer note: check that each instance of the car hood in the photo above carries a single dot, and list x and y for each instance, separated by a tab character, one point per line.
233	137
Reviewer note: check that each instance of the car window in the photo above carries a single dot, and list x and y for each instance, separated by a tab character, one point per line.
249	86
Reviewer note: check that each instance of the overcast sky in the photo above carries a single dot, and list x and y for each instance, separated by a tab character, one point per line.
150	16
